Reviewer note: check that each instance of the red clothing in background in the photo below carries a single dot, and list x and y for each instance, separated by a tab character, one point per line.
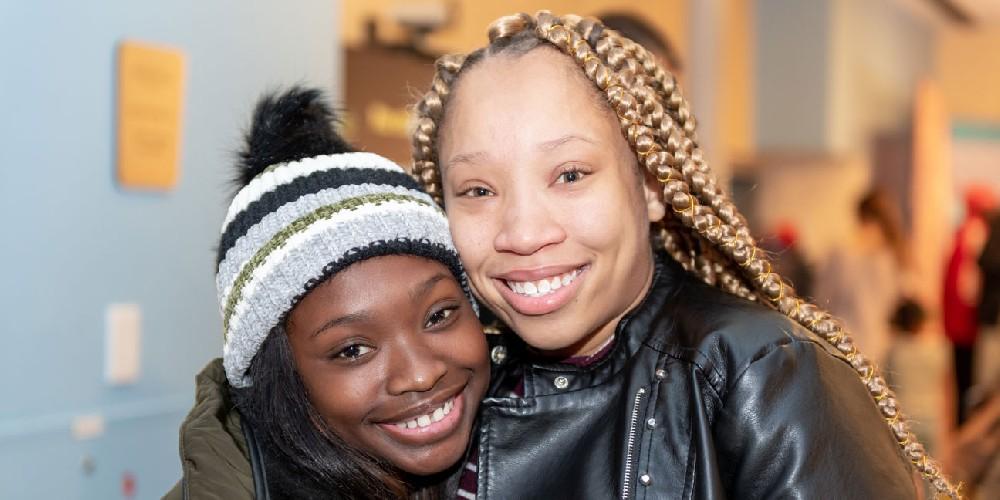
960	320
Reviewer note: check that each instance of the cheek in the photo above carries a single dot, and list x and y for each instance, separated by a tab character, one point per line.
470	351
615	217
473	238
344	399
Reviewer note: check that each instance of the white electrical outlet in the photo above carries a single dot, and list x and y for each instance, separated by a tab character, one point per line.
87	426
122	344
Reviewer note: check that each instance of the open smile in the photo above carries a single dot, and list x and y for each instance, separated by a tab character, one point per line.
428	423
542	291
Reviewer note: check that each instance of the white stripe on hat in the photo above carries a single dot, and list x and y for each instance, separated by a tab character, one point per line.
284	173
418	222
275	221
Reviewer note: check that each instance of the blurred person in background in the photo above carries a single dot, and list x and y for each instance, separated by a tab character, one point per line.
919	369
989	302
973	455
861	279
989	264
963	282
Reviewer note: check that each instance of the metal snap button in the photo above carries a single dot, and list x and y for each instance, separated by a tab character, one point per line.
651	423
498	354
661	374
561	382
645	480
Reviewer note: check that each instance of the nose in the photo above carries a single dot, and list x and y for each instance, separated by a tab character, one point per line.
526	226
414	367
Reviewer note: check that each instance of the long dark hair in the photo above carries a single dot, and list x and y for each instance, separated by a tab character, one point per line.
303	457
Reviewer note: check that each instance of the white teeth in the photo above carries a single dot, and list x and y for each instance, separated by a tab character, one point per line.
424	420
542	287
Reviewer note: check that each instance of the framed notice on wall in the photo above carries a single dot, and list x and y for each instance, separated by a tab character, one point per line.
150	99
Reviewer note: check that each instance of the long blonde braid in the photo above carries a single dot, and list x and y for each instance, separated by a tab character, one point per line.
705	232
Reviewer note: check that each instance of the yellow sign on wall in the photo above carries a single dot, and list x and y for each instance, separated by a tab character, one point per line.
150	98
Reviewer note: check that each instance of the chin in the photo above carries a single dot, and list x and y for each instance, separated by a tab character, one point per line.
545	342
433	462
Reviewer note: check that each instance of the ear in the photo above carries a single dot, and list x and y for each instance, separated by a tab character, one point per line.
656	208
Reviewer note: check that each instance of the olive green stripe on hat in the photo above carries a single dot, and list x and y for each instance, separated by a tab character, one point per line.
297	226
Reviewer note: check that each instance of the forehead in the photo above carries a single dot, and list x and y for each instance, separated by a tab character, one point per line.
524	98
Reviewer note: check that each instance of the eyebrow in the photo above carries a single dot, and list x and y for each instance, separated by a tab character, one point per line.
547	146
468	159
357	317
424	288
556	143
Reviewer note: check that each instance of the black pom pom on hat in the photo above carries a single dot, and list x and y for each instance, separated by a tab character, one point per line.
288	126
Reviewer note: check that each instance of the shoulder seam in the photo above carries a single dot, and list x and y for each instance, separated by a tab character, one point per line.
769	348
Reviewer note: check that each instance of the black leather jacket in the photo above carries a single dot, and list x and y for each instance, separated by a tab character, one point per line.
704	395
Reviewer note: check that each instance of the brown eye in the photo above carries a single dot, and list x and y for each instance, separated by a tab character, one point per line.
353	351
570	176
440	317
476	192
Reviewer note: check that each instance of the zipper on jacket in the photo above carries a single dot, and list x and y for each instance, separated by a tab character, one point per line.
632	430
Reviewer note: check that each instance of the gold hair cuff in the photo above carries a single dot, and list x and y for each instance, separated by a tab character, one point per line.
853	354
548	31
894	420
691	205
798	305
812	323
869	373
753	255
837	336
906	442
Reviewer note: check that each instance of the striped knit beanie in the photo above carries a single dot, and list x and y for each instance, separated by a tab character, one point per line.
309	208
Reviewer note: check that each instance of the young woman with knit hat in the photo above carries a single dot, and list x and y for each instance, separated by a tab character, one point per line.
654	353
354	360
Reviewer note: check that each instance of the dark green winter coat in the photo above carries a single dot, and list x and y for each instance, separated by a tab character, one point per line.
214	454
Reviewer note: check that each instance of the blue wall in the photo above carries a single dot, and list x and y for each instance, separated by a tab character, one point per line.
73	242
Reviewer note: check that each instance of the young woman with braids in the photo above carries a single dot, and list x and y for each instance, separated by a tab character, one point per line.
656	355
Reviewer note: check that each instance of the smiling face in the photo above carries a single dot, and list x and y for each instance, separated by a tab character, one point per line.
394	359
546	205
